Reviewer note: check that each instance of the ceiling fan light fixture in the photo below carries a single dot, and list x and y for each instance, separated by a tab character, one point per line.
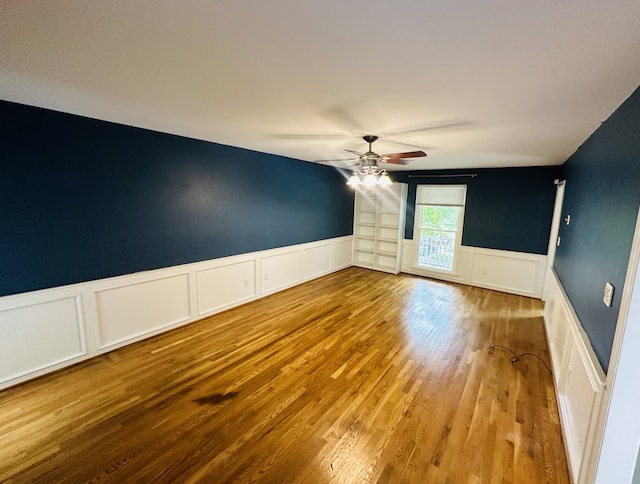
370	180
354	180
384	179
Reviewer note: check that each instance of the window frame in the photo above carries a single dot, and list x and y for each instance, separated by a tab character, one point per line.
417	221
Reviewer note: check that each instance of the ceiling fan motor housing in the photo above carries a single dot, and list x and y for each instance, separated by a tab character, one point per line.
370	138
369	159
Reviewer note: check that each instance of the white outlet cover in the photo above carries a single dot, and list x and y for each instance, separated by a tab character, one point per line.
608	294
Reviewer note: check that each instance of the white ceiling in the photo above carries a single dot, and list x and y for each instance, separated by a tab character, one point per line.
493	83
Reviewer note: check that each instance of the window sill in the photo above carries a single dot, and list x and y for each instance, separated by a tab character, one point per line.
436	272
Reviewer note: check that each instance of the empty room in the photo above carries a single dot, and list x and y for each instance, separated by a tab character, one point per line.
318	242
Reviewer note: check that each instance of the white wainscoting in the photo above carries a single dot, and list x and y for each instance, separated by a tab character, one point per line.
579	380
40	334
226	285
343	252
281	270
316	261
502	270
126	312
46	330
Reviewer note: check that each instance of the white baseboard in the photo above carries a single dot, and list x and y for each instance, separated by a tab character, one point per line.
579	380
513	272
46	330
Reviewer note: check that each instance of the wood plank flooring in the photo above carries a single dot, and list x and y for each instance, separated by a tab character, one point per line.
358	376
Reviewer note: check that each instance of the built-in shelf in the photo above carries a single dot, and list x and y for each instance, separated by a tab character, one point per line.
379	228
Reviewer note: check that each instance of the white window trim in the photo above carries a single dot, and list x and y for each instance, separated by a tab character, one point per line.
458	243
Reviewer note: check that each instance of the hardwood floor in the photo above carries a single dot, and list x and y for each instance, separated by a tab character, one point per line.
358	376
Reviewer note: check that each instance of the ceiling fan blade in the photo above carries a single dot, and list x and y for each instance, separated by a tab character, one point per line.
308	137
398	158
355	152
445	124
334	161
342	117
406	154
409	145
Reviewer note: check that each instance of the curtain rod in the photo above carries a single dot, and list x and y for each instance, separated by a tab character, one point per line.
466	175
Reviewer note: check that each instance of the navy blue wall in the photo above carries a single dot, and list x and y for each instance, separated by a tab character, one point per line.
82	199
602	196
506	208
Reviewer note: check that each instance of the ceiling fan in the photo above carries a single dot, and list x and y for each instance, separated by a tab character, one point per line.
372	159
370	174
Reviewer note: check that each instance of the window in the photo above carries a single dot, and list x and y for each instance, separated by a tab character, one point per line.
438	225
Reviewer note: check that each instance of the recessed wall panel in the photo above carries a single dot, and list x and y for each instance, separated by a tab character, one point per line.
342	253
225	286
316	261
130	311
521	275
40	335
577	399
280	271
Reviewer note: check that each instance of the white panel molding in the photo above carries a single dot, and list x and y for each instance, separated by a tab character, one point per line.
342	254
579	379
224	286
508	271
316	261
46	330
46	334
578	399
131	311
281	271
513	272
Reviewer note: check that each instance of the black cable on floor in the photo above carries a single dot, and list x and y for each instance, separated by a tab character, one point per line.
517	356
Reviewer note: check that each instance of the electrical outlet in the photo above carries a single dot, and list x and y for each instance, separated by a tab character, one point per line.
608	294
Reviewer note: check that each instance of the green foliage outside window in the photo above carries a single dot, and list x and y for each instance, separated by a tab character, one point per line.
438	225
439	218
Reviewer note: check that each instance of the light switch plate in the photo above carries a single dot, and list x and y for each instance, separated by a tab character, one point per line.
608	294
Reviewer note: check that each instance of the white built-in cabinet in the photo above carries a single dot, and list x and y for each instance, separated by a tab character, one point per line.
378	229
